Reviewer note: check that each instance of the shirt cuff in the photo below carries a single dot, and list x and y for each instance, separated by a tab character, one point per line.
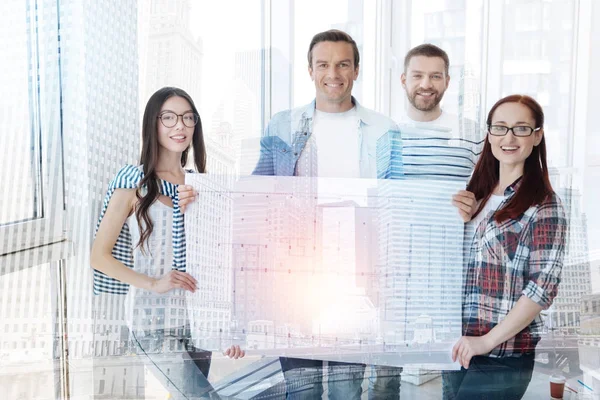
537	294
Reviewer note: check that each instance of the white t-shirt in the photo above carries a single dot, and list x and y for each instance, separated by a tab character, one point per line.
491	206
445	120
333	149
142	306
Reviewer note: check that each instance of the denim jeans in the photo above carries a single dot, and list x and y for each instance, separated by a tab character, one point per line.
304	380
490	379
384	383
176	363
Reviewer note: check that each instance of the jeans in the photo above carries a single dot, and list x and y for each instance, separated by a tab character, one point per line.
384	383
304	380
176	363
489	378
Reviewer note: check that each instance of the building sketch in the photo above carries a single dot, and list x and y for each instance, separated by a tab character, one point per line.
305	277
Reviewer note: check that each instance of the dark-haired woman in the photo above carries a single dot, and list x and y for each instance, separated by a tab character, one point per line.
516	255
139	249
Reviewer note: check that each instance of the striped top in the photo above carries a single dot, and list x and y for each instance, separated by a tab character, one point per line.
428	153
129	177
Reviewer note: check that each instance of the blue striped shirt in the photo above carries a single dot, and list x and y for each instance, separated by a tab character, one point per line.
423	153
129	177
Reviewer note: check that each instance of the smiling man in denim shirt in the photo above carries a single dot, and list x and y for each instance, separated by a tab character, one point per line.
333	121
334	136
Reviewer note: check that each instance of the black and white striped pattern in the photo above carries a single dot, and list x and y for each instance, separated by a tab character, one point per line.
129	177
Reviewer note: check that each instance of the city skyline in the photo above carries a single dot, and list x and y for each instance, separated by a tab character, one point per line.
300	247
113	57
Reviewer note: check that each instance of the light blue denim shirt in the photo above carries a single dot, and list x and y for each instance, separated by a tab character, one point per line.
286	136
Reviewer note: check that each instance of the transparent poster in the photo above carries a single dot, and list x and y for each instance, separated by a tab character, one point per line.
352	270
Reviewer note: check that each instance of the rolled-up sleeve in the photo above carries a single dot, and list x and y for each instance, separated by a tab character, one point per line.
548	231
266	162
389	155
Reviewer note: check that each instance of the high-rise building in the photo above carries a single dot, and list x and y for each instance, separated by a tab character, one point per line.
101	133
273	250
347	261
169	54
211	310
444	26
421	252
420	259
537	47
589	340
576	273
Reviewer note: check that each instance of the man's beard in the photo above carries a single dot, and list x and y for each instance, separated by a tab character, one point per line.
437	97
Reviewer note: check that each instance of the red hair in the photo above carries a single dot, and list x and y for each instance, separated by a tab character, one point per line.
535	186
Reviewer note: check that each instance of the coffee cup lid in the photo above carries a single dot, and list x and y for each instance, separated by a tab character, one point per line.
557	379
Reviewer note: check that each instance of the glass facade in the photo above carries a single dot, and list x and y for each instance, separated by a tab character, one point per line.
75	78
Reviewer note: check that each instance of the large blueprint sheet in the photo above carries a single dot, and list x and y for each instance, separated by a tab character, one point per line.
354	270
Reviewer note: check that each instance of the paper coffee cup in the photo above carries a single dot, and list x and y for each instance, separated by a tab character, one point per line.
557	386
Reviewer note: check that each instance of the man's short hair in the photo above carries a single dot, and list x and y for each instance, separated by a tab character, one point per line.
427	50
333	35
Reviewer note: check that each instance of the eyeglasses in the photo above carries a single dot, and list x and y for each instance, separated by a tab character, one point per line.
169	119
519	130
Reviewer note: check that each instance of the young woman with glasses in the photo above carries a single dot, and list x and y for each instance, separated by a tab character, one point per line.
139	248
516	256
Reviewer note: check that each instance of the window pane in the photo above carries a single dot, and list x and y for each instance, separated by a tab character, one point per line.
457	28
348	16
538	47
179	46
26	350
19	141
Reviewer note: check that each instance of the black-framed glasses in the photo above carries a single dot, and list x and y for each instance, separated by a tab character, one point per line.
169	119
519	130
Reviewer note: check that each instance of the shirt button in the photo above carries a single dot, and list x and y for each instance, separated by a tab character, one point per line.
305	133
295	154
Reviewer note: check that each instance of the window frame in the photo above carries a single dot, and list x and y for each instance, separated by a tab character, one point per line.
45	114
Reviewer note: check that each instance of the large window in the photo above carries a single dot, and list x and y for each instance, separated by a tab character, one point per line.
31	165
358	18
217	57
538	41
31	200
444	24
242	61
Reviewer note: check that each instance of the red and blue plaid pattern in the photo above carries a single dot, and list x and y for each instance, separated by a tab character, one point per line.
514	258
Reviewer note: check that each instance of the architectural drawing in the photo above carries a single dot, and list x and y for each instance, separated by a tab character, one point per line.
355	270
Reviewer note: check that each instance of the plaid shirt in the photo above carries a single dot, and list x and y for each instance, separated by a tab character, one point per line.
518	257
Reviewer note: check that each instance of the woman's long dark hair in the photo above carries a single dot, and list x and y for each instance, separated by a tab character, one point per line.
149	155
535	186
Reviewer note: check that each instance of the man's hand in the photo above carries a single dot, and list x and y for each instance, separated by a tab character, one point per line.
187	195
174	279
468	347
234	352
466	204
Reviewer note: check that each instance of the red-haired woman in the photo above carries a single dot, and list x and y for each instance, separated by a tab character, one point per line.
516	255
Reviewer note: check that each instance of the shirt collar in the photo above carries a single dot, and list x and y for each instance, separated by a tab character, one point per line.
513	187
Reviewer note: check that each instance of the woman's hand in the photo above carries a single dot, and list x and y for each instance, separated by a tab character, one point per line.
468	347
172	280
234	352
187	195
466	204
